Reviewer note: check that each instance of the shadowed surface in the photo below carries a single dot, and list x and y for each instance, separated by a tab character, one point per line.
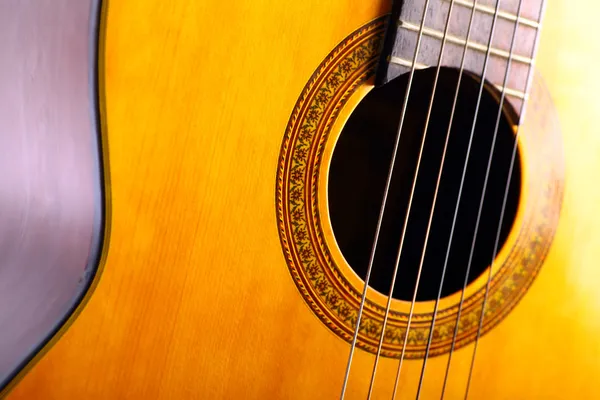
50	210
360	165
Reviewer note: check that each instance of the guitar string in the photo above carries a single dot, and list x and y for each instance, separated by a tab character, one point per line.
450	122
409	207
383	204
482	200
482	84
405	339
459	197
476	113
508	181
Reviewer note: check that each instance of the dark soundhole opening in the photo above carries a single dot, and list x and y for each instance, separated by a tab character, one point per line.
359	170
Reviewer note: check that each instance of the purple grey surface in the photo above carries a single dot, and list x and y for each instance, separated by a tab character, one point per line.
51	204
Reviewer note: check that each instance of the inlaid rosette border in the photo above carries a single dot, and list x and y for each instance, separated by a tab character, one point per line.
320	280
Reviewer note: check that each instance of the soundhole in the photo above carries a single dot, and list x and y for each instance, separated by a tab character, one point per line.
359	170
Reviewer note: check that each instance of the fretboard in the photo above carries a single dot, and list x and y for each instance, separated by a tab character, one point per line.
401	40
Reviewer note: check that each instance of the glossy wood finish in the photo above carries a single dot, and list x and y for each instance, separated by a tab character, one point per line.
50	181
196	301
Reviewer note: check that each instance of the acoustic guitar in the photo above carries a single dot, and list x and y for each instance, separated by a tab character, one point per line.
299	200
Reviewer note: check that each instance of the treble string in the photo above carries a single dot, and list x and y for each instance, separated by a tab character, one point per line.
383	204
510	171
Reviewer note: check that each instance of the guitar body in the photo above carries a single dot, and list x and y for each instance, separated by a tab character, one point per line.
197	296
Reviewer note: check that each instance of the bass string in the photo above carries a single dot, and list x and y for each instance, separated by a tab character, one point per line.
409	207
508	181
382	208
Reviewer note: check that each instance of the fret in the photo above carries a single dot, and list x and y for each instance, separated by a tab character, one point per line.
473	45
508	91
512	92
501	14
496	69
530	9
480	33
407	63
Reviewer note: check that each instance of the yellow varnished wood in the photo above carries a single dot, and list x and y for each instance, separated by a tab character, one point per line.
196	300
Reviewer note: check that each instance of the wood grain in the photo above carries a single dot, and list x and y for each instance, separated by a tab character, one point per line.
195	300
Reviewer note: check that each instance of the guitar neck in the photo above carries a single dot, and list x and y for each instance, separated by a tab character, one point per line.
402	45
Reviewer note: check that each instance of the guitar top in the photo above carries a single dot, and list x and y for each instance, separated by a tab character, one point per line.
341	199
